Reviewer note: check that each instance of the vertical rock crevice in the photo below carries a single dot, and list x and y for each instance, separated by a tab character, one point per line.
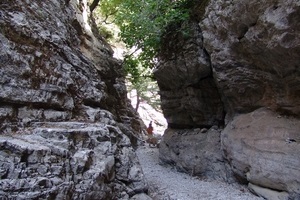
192	105
188	92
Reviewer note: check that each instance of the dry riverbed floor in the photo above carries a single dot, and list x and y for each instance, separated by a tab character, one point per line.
166	183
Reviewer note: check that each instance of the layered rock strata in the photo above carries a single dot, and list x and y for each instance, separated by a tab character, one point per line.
69	160
262	148
52	64
67	128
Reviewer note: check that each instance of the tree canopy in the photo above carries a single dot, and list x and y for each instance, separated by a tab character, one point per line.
142	24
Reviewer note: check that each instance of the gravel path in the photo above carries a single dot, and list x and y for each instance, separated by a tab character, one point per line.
168	184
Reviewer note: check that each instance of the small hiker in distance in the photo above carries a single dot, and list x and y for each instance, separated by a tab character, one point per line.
150	129
152	141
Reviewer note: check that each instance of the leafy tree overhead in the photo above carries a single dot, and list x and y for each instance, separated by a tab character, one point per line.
142	24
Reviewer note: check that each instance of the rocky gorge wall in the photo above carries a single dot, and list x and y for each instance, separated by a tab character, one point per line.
67	128
231	88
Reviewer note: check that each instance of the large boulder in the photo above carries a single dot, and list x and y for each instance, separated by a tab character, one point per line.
263	148
195	151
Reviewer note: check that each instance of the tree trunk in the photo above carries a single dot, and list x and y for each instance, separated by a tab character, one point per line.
94	5
137	101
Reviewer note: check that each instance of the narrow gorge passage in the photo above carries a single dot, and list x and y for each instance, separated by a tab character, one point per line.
166	183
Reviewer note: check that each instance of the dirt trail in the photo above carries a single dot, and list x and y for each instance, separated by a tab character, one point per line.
168	184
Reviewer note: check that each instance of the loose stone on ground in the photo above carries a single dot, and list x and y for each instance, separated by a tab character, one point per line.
168	184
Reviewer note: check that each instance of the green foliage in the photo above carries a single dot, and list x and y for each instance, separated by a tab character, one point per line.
107	34
142	24
147	91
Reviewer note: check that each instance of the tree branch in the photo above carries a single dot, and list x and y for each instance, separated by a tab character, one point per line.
130	55
108	15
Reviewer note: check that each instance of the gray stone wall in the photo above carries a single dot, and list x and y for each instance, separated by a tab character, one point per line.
242	56
67	129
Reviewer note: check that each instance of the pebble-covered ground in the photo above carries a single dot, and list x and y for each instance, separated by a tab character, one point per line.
168	184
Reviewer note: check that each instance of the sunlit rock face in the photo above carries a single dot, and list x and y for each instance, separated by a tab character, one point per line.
64	115
252	49
52	61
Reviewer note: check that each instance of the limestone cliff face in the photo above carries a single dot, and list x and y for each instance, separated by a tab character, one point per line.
64	115
188	92
247	61
43	65
254	50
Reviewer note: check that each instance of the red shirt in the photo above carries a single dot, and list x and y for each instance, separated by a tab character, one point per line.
150	130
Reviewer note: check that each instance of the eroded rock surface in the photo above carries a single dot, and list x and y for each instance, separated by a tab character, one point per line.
52	63
67	129
188	92
251	51
197	152
69	160
263	147
254	48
